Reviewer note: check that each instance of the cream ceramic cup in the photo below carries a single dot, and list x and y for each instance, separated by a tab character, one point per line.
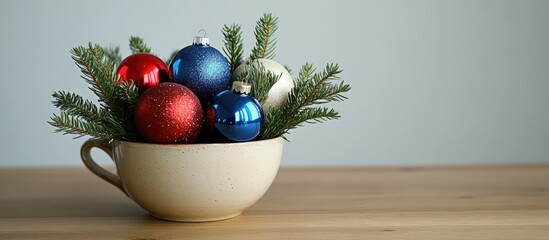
190	182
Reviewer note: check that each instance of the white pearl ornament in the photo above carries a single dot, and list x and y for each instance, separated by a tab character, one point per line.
278	94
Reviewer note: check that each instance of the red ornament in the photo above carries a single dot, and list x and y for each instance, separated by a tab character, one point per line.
144	69
168	113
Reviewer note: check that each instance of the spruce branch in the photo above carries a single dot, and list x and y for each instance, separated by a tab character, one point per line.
316	88
261	80
305	73
265	44
85	113
126	93
310	89
113	119
68	124
113	54
97	71
74	105
234	46
137	45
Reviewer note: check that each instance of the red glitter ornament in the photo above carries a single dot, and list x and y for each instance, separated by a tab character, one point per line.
144	69
168	113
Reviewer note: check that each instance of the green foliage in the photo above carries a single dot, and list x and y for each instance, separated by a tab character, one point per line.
234	46
113	119
74	105
113	54
137	45
310	89
265	44
68	124
81	117
261	80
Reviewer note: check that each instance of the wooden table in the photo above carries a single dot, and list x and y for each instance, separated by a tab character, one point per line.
491	202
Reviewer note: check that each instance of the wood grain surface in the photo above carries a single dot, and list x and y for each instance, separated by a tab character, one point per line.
489	202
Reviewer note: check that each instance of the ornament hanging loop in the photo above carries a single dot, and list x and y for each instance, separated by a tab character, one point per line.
198	40
202	30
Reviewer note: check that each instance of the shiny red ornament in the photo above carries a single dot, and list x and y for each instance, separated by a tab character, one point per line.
168	113
144	69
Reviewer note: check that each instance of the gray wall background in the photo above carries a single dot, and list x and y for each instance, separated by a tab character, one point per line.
434	82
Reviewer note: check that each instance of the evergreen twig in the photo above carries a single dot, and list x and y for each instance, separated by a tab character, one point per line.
137	45
74	105
100	76
113	120
261	80
113	54
234	46
68	124
310	89
265	44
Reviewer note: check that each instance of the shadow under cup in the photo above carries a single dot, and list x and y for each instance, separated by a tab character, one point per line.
191	182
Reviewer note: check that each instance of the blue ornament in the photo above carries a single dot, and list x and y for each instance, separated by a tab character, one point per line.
235	114
201	68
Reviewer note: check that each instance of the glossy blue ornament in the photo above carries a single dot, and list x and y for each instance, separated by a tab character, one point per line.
235	114
201	68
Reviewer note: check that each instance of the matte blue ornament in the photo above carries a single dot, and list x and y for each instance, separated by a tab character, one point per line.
235	114
201	68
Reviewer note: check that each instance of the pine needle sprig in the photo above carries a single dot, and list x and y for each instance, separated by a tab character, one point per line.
98	75
234	45
68	124
126	93
83	116
113	54
74	105
260	79
265	44
137	45
317	88
113	119
310	89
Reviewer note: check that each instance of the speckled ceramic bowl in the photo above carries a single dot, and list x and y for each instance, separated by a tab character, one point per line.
191	182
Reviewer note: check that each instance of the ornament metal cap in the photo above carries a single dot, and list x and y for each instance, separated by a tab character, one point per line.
201	40
242	87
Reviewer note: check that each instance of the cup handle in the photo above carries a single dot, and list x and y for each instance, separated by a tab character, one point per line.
85	154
